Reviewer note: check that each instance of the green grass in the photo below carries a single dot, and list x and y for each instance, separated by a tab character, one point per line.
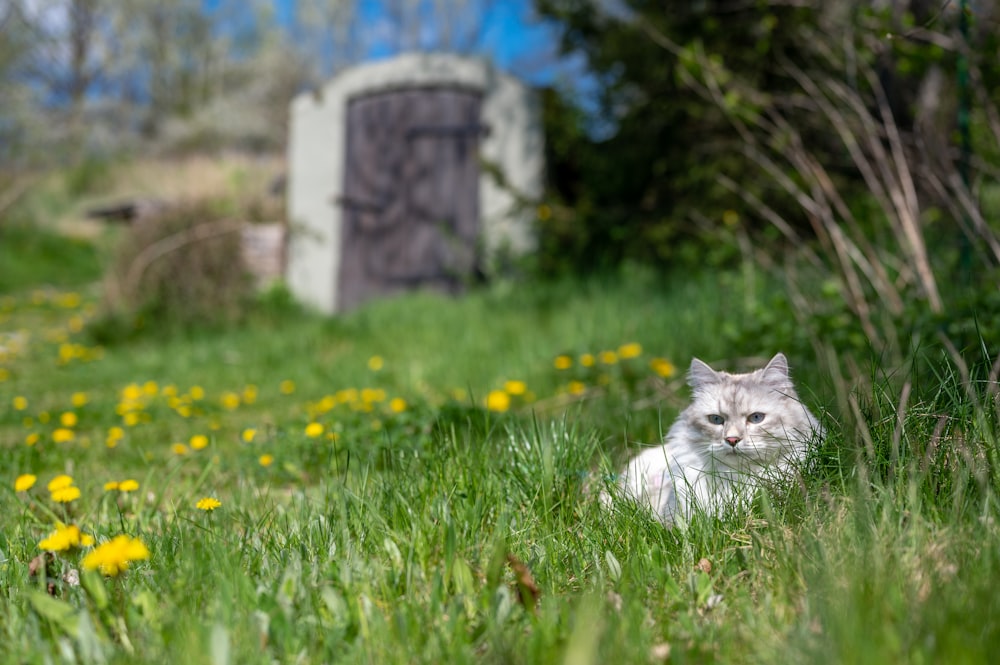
31	256
409	535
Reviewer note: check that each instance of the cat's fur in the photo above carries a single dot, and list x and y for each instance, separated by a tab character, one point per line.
740	430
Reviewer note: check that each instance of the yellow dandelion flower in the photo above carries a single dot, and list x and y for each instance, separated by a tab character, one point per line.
66	494
515	387
208	504
663	367
111	486
248	435
587	360
196	393
250	394
562	362
129	485
397	405
266	460
230	400
169	390
25	482
68	300
63	435
198	441
287	387
68	419
79	399
114	556
66	353
59	482
32	438
498	400
179	449
131	419
326	403
576	387
151	388
375	363
131	393
65	537
20	403
609	357
314	430
369	395
630	350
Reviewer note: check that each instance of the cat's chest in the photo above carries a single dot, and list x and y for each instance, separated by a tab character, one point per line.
712	479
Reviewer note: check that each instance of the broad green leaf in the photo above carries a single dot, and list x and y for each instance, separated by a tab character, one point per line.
60	613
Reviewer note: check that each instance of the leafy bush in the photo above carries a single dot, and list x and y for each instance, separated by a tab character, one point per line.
181	269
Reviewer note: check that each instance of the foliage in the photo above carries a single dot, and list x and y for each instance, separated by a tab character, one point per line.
840	142
96	77
646	187
181	268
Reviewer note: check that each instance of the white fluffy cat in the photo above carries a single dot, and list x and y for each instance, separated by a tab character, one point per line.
739	430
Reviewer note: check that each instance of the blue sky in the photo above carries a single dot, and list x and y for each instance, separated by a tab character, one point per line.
515	39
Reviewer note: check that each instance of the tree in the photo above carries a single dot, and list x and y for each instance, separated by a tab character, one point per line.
654	184
834	132
667	145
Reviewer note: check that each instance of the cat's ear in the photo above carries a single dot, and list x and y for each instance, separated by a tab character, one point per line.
778	365
776	371
701	374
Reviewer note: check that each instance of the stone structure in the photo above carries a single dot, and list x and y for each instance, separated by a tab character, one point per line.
412	172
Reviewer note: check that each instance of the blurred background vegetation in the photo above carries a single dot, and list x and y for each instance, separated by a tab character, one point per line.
836	162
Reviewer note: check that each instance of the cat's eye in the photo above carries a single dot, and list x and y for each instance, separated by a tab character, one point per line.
755	417
716	419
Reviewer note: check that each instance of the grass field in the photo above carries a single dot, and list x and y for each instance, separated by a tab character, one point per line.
415	482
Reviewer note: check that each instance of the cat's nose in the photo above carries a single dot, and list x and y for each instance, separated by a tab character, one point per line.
732	440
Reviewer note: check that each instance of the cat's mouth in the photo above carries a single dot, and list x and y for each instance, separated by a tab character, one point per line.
743	449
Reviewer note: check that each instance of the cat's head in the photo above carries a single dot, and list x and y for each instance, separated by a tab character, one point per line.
756	415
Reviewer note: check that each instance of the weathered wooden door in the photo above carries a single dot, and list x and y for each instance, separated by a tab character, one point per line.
411	192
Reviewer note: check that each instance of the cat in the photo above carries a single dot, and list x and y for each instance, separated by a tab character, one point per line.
740	430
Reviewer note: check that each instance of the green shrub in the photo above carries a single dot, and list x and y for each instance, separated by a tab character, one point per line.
181	269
